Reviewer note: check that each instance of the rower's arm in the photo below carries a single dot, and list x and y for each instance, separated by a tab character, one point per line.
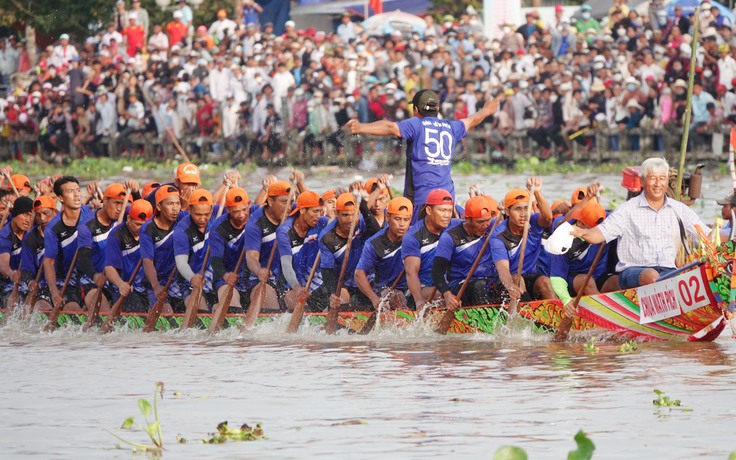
49	272
559	285
545	212
288	270
253	262
412	265
440	266
365	286
504	274
183	267
113	276
5	269
151	275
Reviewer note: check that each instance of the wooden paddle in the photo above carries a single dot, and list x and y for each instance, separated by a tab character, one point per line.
331	325
371	321
218	318
524	237
15	190
14	296
566	323
118	306
54	315
155	312
255	309
33	292
95	313
193	299
449	315
298	314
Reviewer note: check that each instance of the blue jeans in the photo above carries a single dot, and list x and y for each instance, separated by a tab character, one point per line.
629	278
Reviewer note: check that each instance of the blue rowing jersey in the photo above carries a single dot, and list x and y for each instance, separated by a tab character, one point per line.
332	247
578	260
9	244
157	244
431	145
31	254
93	234
189	241
505	246
260	235
303	251
420	242
122	252
61	242
381	257
226	243
461	249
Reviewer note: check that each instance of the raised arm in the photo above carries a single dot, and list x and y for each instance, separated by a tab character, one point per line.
377	128
489	108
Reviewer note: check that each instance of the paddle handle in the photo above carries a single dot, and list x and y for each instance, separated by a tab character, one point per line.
371	322
12	185
95	313
118	306
218	318
155	312
190	314
331	325
121	216
566	323
33	293
54	315
298	314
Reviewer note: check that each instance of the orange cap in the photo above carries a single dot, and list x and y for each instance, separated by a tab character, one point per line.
149	187
188	173
401	206
591	214
166	191
514	196
308	199
492	204
115	191
236	196
372	183
579	195
44	201
345	202
20	181
201	196
279	188
478	207
329	195
141	210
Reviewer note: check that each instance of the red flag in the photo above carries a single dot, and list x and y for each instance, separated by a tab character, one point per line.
376	6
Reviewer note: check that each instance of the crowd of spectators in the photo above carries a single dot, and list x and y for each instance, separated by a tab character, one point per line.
234	84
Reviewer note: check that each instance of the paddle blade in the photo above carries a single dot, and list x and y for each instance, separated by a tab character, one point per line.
444	325
369	324
563	330
251	317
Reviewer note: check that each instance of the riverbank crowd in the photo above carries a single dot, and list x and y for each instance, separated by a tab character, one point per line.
233	86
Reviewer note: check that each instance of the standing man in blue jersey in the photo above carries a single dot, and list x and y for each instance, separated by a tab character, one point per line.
32	248
92	241
431	143
11	238
381	256
506	246
419	246
60	246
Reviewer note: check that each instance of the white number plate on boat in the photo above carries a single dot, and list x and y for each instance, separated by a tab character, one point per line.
670	297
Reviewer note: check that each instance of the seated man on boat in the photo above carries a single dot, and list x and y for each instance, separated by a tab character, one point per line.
419	245
11	238
381	258
568	271
506	245
227	247
32	250
260	236
157	247
60	247
650	229
298	248
191	242
457	250
333	242
92	241
122	256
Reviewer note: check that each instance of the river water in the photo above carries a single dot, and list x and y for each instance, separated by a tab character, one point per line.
392	394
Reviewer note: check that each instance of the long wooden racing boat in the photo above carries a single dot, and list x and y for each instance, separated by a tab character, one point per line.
686	307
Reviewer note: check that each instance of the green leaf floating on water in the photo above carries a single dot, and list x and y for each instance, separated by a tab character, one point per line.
145	407
732	456
665	401
245	433
585	448
510	453
127	423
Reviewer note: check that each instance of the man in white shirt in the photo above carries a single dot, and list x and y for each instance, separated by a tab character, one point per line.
8	62
63	52
281	82
346	30
726	66
142	16
223	27
219	80
111	34
135	122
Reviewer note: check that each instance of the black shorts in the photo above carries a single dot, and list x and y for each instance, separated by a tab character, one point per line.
599	282
106	291
136	302
319	300
72	294
478	292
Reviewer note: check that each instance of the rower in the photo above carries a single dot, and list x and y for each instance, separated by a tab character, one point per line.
377	202
457	250
11	237
431	143
298	247
329	198
122	254
32	249
226	243
191	241
506	244
260	236
419	246
92	241
381	256
61	242
649	227
332	244
568	270
157	246
21	183
187	180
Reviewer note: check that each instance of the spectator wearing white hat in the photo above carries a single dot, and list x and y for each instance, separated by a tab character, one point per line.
63	52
